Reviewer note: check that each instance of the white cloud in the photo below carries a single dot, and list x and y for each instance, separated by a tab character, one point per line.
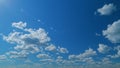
62	50
84	56
17	54
13	37
112	32
29	48
43	56
29	42
107	9
36	41
117	55
19	25
103	48
89	52
51	48
106	61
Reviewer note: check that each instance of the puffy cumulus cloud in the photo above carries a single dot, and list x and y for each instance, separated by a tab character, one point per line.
84	57
112	32
51	48
58	49
13	37
106	61
107	9
89	52
43	56
62	50
19	25
36	42
117	55
32	41
30	48
17	54
103	48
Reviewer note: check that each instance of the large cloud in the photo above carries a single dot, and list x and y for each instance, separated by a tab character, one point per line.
112	32
30	41
107	9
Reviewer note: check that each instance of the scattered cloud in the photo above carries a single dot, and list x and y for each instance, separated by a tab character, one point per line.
43	56
107	9
62	50
87	54
103	48
112	32
117	55
51	48
19	25
29	41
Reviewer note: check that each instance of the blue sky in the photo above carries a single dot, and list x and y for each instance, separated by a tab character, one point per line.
59	34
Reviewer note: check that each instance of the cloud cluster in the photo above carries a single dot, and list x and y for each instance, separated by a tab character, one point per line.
30	41
107	9
37	42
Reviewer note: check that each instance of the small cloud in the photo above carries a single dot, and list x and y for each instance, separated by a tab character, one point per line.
62	50
51	48
103	48
88	53
19	25
43	56
107	9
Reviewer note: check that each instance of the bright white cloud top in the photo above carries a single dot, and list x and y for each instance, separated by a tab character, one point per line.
107	9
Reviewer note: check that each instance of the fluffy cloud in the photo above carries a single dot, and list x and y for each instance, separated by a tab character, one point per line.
107	9
62	50
51	48
84	56
17	54
103	48
43	56
112	32
19	25
117	55
26	43
37	42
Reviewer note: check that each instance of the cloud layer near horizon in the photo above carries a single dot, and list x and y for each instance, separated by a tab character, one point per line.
30	41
